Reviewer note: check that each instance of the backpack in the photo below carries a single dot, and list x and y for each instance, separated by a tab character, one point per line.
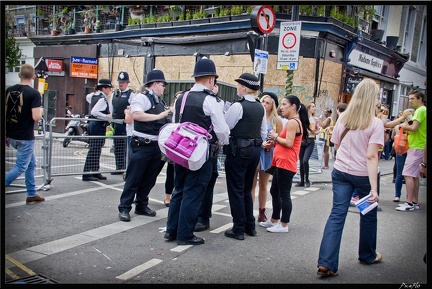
17	100
186	143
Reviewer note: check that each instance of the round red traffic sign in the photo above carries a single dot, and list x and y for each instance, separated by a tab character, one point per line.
263	19
289	40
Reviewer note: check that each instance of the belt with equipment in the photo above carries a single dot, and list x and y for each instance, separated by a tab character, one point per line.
142	141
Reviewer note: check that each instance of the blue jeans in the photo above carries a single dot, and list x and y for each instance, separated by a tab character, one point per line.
343	186
25	162
400	162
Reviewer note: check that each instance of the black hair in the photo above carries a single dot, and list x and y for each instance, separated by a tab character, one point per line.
302	112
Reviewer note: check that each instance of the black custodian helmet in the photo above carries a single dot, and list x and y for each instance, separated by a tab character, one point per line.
203	67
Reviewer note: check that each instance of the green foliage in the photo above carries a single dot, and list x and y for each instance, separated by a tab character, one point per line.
188	15
13	52
181	16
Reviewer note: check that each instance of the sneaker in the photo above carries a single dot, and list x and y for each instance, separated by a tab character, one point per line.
415	205
268	224
278	229
35	199
405	207
354	199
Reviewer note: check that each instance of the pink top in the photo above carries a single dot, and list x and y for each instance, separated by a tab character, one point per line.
351	154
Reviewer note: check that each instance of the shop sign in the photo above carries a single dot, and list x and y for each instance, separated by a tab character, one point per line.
351	83
84	67
366	61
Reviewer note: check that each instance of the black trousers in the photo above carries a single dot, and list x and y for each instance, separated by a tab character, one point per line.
95	146
120	146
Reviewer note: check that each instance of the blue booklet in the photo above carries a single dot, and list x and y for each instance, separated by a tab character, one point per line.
364	206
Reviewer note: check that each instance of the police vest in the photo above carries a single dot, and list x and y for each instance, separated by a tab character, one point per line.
152	127
120	100
194	112
249	126
95	98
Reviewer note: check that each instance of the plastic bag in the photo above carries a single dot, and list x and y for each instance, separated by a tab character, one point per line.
401	142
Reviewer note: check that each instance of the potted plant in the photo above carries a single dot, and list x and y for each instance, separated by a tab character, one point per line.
199	17
98	26
221	15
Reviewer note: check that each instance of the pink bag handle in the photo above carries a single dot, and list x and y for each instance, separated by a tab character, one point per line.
193	126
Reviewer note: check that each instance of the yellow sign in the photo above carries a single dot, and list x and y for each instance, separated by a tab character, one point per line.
41	85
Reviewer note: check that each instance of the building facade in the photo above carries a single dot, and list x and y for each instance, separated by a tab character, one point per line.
333	56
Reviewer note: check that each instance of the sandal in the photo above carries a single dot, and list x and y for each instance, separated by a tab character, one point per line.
396	199
378	259
326	272
166	204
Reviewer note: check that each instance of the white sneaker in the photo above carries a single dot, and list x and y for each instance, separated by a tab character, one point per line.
405	207
278	229
416	206
268	224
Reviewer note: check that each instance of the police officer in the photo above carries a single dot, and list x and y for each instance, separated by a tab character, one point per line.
120	100
247	120
98	108
204	108
150	114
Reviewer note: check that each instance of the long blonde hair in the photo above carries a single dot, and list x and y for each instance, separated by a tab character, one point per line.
360	111
273	113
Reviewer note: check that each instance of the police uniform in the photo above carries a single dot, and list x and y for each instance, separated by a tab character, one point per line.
142	171
98	108
247	121
118	103
204	108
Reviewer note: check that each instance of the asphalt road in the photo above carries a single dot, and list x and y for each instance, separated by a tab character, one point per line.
75	237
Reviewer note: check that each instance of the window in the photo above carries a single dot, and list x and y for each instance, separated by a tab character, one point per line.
408	30
421	59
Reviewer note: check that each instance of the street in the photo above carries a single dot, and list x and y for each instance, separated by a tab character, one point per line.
75	237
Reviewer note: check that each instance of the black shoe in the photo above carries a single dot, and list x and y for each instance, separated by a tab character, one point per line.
299	185
146	212
116	173
230	234
194	241
170	237
124	216
99	177
251	233
88	178
307	184
201	227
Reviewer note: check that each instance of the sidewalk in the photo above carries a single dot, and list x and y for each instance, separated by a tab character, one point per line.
385	168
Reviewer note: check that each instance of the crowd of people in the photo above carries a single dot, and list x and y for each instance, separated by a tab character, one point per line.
263	137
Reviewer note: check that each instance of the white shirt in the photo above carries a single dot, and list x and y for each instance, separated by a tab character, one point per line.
214	109
235	113
100	105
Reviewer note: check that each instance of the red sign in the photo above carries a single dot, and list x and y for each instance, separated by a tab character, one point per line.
55	65
263	19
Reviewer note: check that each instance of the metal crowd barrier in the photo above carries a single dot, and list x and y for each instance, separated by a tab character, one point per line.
68	161
41	178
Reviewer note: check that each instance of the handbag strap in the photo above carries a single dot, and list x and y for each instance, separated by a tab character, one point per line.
182	107
183	104
343	134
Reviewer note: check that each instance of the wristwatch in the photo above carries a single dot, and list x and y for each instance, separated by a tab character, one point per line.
423	165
